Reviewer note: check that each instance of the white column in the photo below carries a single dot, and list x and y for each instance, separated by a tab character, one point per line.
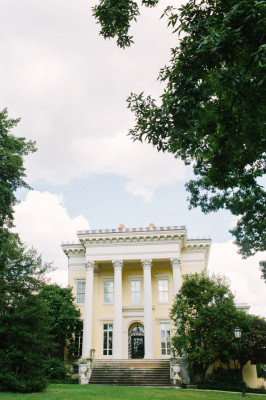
148	321
117	329
87	317
176	266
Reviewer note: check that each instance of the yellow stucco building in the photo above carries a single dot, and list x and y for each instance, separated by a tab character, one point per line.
124	281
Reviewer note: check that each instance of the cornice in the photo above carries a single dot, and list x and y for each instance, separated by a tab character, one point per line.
130	240
74	249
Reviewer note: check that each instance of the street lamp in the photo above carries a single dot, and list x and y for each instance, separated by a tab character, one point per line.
238	337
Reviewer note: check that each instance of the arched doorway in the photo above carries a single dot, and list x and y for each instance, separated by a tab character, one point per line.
136	340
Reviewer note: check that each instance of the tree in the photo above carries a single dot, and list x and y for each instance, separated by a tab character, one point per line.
212	111
204	315
12	171
253	340
24	320
64	318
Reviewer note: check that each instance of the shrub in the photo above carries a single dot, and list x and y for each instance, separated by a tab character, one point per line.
31	381
56	371
224	379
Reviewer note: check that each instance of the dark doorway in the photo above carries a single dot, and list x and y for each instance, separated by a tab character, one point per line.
137	346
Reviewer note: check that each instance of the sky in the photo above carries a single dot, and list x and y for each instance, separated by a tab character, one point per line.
70	86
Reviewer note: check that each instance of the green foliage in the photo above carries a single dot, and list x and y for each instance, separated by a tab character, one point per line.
261	371
115	17
263	269
56	371
205	317
253	339
64	317
12	171
224	379
24	320
212	111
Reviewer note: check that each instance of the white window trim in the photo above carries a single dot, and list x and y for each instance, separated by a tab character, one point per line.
79	280
159	278
107	321
165	321
107	278
134	278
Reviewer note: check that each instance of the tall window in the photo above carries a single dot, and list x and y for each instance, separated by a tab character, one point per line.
108	292
107	339
163	291
80	292
135	292
165	339
78	344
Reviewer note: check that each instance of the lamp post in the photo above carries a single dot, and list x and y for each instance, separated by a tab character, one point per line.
238	333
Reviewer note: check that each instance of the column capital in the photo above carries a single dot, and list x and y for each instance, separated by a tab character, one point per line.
176	262
117	264
89	265
146	263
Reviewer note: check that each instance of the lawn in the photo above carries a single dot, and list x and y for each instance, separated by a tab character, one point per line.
97	392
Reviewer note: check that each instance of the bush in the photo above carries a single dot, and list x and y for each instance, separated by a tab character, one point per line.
28	382
56	371
224	379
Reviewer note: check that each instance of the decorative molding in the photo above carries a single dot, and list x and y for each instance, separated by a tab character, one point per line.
163	276
130	241
89	265
146	263
135	278
164	320
176	263
78	252
195	249
147	229
117	264
107	278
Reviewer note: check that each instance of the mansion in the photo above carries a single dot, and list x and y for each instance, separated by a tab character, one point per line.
124	281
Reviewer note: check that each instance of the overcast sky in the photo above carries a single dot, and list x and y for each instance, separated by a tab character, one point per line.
69	87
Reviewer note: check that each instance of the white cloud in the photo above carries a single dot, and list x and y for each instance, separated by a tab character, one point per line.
70	88
244	275
42	221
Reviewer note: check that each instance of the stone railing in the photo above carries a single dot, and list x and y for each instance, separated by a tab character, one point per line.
179	371
86	366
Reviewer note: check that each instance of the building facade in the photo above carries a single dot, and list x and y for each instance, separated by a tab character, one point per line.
124	281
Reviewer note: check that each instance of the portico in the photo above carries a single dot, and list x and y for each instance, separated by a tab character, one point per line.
125	279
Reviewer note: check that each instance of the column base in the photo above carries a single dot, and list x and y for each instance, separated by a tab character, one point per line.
149	357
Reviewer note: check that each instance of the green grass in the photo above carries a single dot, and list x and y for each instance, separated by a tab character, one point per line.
97	392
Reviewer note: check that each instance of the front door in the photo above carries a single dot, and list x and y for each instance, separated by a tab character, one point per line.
137	346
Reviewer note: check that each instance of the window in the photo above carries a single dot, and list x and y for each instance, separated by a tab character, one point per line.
135	292
80	292
108	292
107	339
75	370
78	344
165	339
163	291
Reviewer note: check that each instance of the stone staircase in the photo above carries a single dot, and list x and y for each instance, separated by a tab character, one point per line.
131	372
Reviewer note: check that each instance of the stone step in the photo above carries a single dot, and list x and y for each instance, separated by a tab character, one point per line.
131	372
